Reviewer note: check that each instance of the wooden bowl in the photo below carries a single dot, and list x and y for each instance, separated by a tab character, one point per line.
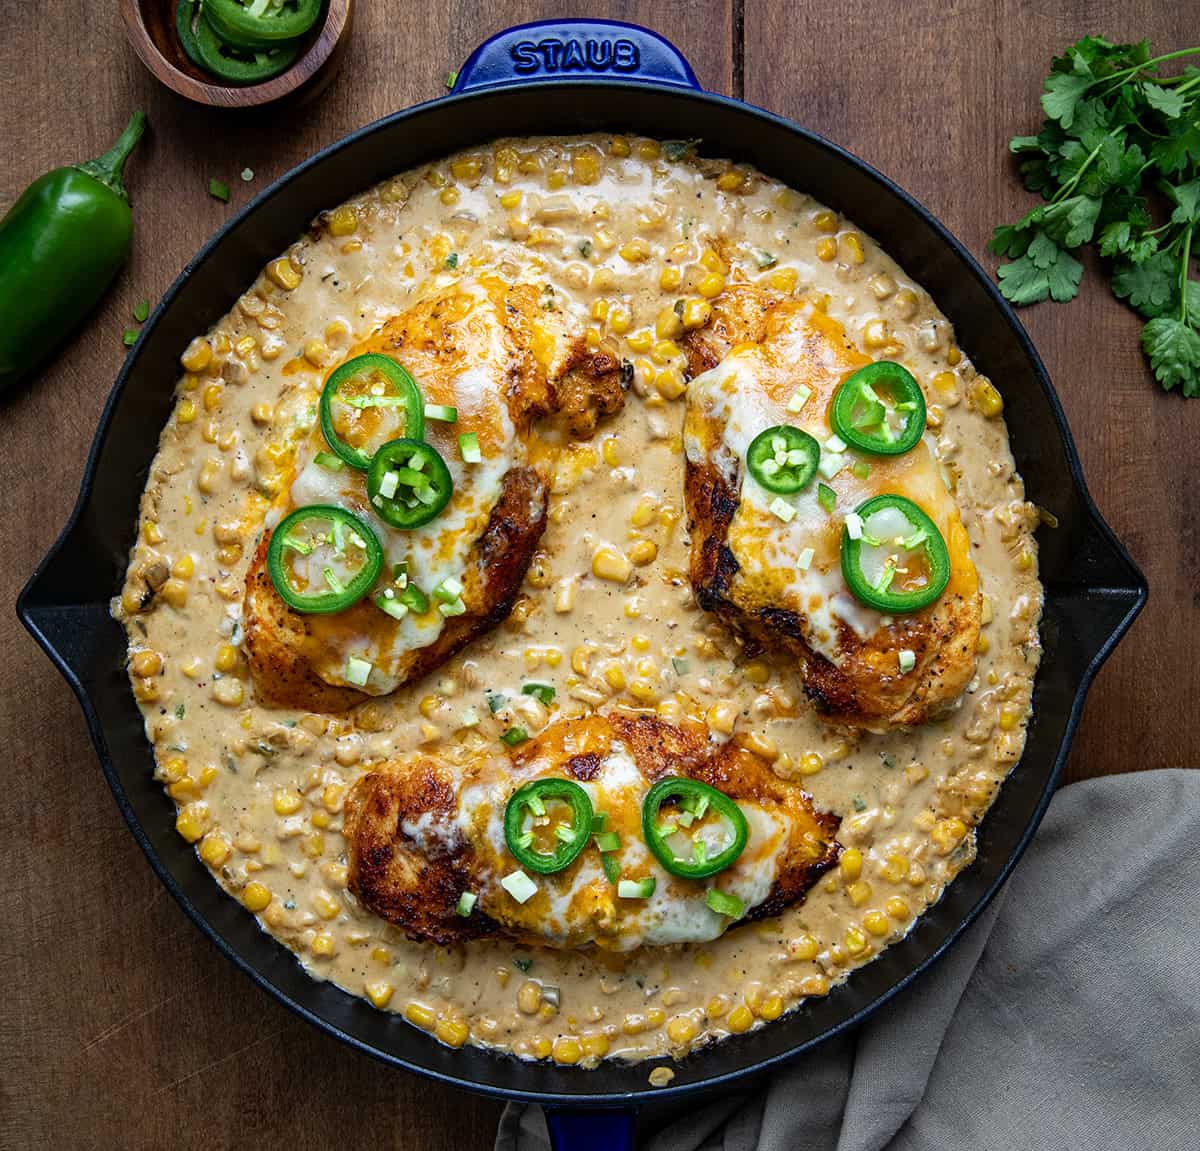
150	26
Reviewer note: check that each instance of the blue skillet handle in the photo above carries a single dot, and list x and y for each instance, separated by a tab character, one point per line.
581	1129
575	50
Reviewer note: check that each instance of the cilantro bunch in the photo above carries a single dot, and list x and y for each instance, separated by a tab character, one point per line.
1118	139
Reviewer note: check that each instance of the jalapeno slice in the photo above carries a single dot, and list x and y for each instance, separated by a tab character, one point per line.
367	401
259	24
322	559
900	562
880	409
232	62
677	835
536	834
783	459
408	483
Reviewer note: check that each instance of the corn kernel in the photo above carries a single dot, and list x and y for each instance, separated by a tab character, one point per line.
332	796
187	412
614	677
859	892
644	513
850	865
197	356
580	658
449	196
567	1050
175	592
286	802
947	834
256	896
784	280
696	313
897	907
954	357
635	251
876	923
1010	717
323	945
804	947
327	906
681	1029
771	1008
810	763
152	533
283	274
664	351
740	1019
146	663
852	243
610	564
316	353
420	1015
825	222
466	168
619	146
586	166
227	657
876	334
643	552
640	341
711	285
452	1032
184	567
989	401
826	248
905	303
192	821
214	849
733	180
596	1046
541	1047
722	717
668	324
643	691
343	221
670	278
895	868
648	150
379	992
855	941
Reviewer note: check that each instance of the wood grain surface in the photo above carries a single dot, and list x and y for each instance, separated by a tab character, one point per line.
122	1027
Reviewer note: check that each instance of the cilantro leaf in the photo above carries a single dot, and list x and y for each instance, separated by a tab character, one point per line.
1116	238
1043	251
1180	146
1174	351
1149	286
1062	95
1165	100
1191	293
1186	198
1071	221
1024	144
1025	282
1009	240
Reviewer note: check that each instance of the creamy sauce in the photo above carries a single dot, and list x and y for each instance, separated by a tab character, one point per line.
617	233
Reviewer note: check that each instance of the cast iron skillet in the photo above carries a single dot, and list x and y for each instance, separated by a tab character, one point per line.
563	78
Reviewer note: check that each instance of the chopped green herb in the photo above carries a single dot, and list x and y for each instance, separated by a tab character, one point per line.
675	150
141	312
599	822
679	664
860	804
612	868
826	497
725	904
521	963
180	710
636	888
764	259
608	841
452	260
219	190
466	903
495	700
1116	132
329	461
451	78
130	337
541	691
468	448
514	736
585	248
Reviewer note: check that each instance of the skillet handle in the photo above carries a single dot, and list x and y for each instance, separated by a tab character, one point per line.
581	1129
575	50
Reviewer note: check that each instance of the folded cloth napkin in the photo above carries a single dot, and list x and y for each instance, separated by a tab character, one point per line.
1068	1017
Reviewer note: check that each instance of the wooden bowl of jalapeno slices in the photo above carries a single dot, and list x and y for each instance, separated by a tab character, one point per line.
239	53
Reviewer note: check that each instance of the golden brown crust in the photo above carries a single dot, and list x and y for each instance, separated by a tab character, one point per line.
865	687
415	889
278	638
416	886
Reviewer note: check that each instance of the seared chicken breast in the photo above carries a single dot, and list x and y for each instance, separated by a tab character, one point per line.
423	831
779	582
502	358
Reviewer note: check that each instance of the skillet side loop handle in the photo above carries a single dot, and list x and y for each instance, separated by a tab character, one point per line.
575	50
582	1129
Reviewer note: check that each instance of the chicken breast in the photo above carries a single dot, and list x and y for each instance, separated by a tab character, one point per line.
422	831
780	583
497	354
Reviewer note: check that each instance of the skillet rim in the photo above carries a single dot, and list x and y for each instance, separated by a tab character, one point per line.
1135	590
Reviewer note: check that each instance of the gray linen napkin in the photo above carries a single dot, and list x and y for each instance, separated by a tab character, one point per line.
1067	1017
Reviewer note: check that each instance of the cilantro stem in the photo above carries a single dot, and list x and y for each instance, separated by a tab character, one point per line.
1125	73
1068	188
1183	273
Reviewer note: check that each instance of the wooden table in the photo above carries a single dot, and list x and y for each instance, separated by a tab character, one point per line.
122	1026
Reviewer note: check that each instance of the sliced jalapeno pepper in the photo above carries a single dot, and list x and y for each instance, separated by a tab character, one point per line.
880	409
530	825
322	559
677	838
408	483
783	459
368	400
232	62
899	563
258	23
